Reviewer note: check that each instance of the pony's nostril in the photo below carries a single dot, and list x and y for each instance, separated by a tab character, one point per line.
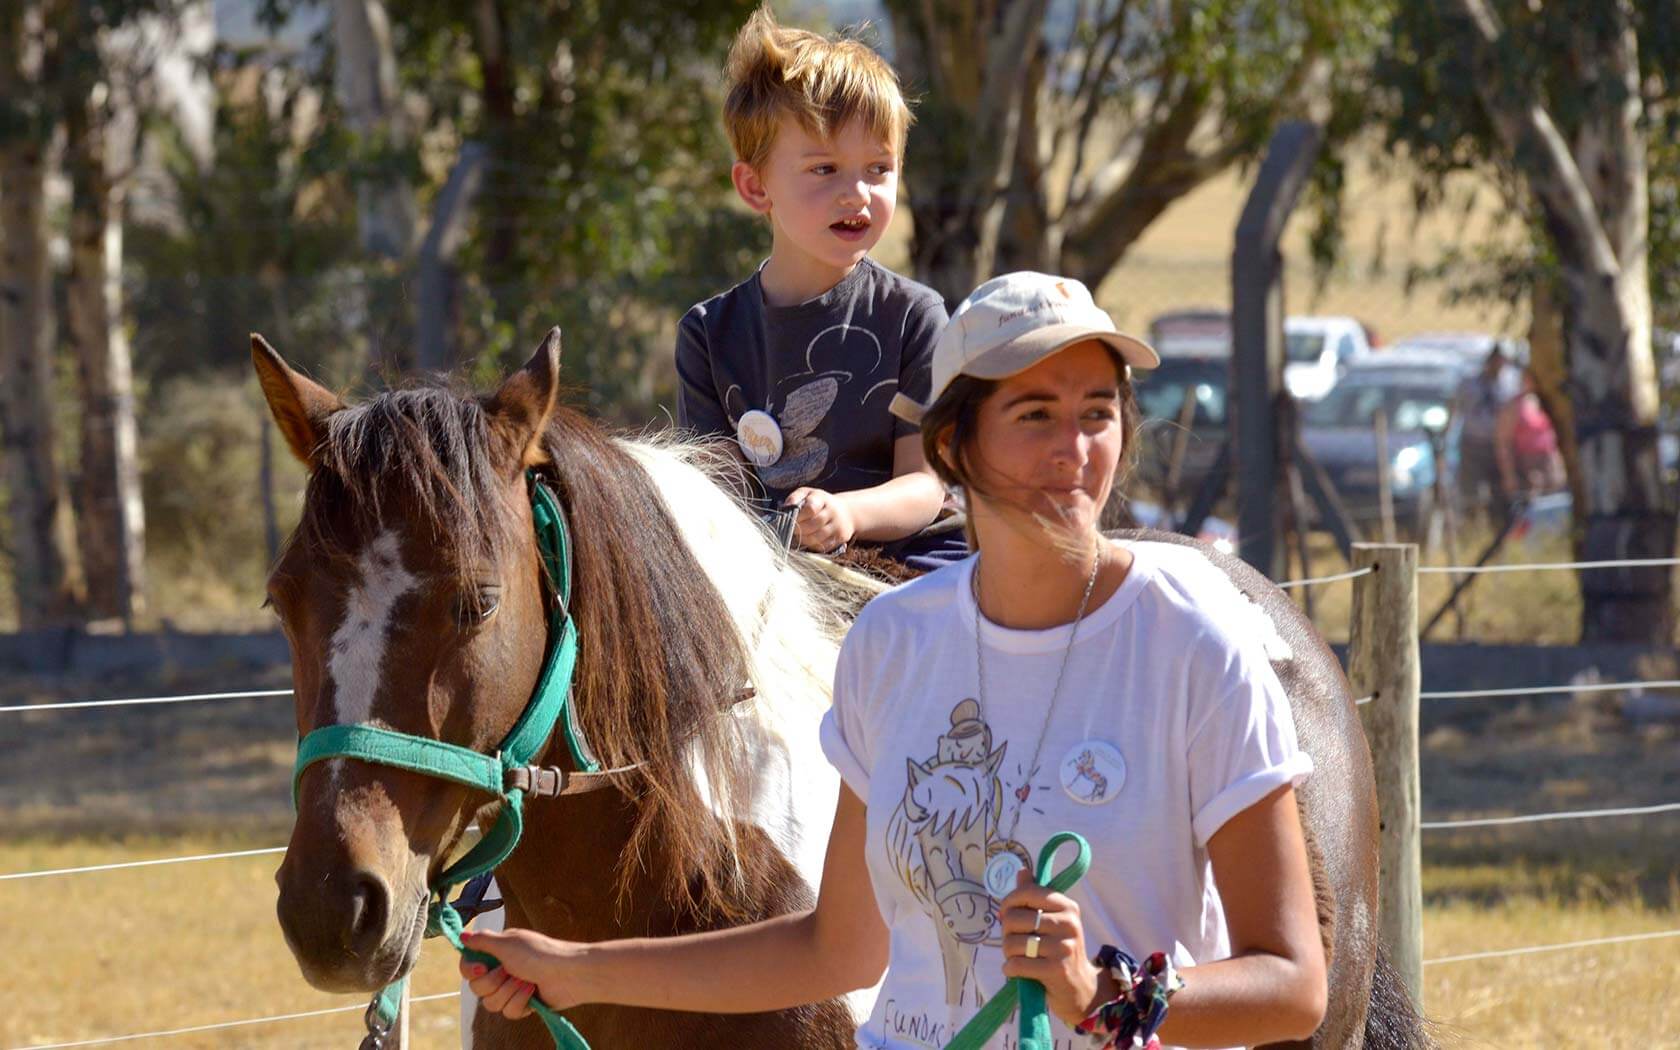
370	906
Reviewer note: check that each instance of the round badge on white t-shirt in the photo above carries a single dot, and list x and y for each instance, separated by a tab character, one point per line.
1092	772
760	437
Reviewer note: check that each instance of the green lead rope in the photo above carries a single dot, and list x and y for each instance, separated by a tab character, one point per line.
1022	991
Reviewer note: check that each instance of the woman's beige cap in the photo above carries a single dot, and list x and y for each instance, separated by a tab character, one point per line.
1013	322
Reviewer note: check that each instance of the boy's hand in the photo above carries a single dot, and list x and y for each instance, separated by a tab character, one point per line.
532	964
825	522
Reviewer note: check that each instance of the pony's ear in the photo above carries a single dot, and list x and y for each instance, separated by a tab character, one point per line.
521	406
299	404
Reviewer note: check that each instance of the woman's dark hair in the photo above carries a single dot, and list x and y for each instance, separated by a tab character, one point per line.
958	408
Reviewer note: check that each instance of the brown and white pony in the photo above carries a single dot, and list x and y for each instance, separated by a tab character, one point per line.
412	595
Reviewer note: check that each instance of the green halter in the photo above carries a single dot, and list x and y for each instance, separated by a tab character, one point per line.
507	774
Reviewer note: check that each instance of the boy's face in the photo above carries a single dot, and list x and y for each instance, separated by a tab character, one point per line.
829	200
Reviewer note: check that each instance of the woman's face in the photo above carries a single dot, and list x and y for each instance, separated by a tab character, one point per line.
1047	441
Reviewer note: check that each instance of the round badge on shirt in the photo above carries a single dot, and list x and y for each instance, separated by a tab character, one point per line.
1092	772
760	437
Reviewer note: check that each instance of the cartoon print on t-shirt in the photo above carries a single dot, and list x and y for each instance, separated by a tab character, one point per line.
845	367
803	455
941	836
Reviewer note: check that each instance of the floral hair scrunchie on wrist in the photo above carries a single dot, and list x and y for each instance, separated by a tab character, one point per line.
1129	1021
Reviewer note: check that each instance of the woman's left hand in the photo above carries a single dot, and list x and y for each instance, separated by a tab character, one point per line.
1061	964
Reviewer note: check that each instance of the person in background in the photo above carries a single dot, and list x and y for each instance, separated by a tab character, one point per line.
1529	461
1478	404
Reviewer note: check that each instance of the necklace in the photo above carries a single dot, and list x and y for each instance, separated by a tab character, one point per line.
1006	857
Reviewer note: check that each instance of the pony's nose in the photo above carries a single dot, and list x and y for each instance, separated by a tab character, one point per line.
370	907
336	924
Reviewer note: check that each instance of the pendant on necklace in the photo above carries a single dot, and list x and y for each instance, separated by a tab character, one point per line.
1008	859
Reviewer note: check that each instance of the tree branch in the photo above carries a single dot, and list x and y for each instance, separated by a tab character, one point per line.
1091	103
1527	130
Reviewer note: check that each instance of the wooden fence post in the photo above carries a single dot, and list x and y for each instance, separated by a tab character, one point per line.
1383	662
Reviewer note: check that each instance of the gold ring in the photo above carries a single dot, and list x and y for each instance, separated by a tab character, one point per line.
1032	945
1038	917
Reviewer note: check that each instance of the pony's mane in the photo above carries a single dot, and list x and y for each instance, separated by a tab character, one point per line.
659	666
430	447
664	652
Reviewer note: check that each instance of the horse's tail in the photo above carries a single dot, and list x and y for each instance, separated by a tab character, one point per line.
1393	1022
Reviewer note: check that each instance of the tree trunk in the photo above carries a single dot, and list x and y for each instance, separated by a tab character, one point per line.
366	80
1549	358
35	491
1594	199
968	61
1629	511
1028	240
111	519
501	201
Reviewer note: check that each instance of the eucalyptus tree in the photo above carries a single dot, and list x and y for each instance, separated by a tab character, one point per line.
37	500
1570	107
1051	135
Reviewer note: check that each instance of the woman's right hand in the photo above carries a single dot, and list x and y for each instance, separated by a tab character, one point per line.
531	964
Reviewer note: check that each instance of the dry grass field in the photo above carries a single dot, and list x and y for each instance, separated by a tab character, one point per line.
162	948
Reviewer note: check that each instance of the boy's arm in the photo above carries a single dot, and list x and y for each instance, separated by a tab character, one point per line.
891	510
903	506
698	407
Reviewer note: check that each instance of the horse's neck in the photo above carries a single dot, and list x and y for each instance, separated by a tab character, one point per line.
562	880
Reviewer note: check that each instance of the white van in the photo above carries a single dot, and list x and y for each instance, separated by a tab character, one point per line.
1317	350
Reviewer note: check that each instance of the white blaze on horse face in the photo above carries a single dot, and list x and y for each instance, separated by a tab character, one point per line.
358	646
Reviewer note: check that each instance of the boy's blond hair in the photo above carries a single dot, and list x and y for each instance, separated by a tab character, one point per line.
823	83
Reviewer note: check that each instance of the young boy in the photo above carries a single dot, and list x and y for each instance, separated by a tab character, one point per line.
799	362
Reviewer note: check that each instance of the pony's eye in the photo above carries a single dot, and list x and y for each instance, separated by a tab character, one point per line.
475	608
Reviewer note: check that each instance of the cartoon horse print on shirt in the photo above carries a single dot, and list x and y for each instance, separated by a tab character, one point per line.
940	838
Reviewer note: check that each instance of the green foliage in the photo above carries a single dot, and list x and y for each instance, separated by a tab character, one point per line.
201	478
606	207
262	240
1429	109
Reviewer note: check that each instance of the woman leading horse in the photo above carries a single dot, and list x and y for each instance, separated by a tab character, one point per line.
1058	680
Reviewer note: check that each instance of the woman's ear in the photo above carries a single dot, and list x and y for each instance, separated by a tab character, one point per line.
942	445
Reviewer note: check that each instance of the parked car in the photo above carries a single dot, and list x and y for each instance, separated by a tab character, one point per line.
1415	392
1317	350
1197	332
1201	381
1469	348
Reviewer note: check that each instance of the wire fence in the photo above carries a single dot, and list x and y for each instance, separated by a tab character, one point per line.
224	1025
1444	825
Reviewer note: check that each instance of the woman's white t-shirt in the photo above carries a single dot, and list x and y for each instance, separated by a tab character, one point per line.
1169	722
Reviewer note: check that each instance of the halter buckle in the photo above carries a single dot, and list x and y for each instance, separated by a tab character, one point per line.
536	781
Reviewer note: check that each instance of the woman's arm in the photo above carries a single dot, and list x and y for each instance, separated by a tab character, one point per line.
1273	988
838	946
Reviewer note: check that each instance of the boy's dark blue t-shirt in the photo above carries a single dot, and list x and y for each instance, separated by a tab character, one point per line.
825	370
